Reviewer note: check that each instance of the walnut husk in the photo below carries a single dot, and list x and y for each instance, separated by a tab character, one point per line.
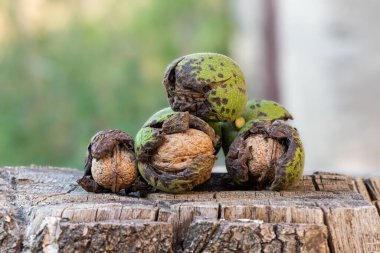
266	155
180	155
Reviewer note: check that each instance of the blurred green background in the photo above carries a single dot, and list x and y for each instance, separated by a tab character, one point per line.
71	68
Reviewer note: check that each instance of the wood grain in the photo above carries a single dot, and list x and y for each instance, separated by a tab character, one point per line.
42	209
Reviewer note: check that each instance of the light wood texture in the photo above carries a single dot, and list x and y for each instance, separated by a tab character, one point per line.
42	209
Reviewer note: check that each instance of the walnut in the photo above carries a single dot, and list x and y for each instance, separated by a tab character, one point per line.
265	153
111	162
176	151
179	149
116	171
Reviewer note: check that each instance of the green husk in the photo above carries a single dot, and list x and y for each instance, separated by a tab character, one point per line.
151	137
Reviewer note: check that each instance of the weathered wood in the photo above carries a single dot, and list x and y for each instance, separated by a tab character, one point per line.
360	186
373	185
254	236
44	210
105	236
332	182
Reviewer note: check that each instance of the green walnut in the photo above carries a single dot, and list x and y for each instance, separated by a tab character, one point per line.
208	85
254	110
175	151
266	155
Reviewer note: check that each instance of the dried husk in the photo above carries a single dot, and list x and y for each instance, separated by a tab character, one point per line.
111	163
266	155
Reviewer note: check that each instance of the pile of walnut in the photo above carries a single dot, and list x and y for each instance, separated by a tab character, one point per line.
175	150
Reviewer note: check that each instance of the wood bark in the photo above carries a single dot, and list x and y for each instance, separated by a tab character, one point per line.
42	209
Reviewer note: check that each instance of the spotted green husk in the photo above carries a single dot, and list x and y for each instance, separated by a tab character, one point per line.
287	169
150	137
210	86
254	110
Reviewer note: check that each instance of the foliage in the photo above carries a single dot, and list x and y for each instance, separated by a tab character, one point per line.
60	86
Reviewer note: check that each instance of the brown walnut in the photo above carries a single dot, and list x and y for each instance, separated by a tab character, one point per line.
176	151
179	149
116	171
264	154
111	162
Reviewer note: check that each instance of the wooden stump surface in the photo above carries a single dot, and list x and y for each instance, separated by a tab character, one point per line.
42	209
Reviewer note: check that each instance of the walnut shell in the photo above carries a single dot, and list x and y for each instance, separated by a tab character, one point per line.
115	172
110	163
264	153
179	149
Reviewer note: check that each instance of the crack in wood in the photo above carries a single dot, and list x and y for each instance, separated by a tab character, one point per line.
314	181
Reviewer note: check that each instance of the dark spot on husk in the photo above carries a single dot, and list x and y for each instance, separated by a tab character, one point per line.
211	68
222	109
210	57
220	75
275	104
252	107
230	85
206	89
213	92
233	111
258	105
216	100
227	110
223	85
262	114
225	101
221	64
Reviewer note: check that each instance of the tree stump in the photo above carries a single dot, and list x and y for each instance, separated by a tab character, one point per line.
42	209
